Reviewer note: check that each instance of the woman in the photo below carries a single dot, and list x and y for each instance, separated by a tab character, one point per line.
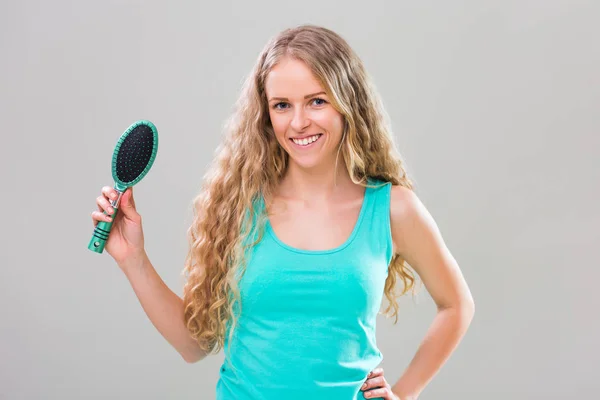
306	218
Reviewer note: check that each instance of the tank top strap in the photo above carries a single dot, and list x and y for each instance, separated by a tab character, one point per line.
376	227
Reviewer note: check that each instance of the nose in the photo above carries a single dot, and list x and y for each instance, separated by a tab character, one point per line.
300	121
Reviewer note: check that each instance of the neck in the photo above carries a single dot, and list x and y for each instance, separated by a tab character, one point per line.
316	184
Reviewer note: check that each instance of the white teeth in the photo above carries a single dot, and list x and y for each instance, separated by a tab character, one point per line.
306	141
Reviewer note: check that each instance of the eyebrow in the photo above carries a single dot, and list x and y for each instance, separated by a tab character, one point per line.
306	97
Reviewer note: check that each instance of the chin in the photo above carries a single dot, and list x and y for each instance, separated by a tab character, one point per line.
308	162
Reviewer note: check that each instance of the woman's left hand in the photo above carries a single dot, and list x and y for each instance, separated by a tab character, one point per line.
376	387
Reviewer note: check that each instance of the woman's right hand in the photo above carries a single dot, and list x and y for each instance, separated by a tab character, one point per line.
126	238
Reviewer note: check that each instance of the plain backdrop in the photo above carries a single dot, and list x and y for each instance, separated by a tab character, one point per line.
494	106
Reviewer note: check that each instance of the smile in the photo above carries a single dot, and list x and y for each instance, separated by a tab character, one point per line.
307	142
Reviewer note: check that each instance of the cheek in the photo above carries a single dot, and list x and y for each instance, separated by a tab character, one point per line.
339	123
332	121
279	124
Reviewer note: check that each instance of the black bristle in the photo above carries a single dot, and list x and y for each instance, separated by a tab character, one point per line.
135	153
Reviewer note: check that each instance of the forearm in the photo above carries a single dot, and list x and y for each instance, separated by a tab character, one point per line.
164	308
443	336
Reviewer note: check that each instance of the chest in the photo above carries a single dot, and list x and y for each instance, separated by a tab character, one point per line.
345	284
342	284
315	229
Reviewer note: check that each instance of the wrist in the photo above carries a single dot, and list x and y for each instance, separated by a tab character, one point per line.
403	395
134	262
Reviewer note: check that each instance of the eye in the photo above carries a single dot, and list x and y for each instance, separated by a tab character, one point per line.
276	106
283	105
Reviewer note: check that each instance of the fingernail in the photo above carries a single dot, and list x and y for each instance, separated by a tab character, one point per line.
364	386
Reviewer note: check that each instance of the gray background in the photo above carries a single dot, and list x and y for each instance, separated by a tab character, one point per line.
495	110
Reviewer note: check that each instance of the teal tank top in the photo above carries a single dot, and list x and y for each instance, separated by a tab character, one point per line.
307	327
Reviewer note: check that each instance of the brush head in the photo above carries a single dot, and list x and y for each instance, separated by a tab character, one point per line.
134	154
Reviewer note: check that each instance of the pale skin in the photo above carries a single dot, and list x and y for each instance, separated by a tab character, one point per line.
418	240
305	206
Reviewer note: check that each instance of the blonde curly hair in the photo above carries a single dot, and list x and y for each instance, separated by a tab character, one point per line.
249	164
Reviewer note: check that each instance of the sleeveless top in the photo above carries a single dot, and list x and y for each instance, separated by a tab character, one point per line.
307	326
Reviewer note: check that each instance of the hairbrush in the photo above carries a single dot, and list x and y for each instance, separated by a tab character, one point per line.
132	158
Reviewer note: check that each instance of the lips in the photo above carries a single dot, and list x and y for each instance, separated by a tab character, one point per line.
306	136
301	146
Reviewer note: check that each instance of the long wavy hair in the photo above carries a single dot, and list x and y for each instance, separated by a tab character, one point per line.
249	163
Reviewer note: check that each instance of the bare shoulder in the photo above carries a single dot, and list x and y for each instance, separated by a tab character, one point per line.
407	215
403	201
418	240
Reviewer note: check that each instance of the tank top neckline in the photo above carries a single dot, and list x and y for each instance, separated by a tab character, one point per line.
346	243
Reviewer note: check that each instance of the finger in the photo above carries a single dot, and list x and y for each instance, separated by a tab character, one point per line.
131	199
128	206
104	205
374	383
376	372
128	202
99	216
110	193
383	393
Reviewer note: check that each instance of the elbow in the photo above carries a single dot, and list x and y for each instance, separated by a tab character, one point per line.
466	305
467	310
192	358
470	305
464	309
188	359
194	355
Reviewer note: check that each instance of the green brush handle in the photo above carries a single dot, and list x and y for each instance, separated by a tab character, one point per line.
101	233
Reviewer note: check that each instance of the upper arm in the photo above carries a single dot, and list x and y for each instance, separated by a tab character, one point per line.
417	239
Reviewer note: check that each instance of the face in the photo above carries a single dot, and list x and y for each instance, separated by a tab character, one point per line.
305	123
